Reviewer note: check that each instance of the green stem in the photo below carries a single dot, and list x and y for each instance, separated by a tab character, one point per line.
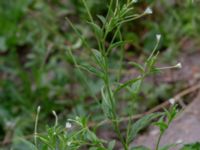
121	58
36	125
159	139
114	119
117	130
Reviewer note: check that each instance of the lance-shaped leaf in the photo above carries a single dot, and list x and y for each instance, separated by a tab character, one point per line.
141	124
91	69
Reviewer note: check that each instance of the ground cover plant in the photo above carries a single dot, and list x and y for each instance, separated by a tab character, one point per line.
98	68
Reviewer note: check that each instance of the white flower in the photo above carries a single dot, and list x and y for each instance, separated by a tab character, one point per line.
68	125
69	143
134	1
148	10
158	37
179	141
179	65
172	101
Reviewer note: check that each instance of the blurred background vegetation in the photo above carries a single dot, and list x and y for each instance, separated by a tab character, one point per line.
36	68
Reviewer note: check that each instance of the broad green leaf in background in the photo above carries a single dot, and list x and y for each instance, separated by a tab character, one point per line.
10	15
195	146
21	144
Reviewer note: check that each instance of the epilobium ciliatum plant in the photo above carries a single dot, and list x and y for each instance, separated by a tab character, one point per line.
77	134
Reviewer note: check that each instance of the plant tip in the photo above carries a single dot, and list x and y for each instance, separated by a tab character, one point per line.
38	108
148	10
54	113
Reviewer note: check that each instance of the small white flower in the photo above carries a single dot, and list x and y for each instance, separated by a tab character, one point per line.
148	10
54	133
172	101
179	65
179	141
134	1
68	125
69	143
158	37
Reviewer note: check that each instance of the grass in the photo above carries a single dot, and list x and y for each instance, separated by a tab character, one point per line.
39	56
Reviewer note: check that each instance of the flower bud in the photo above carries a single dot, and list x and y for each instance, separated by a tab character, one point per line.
179	65
158	37
148	10
172	101
68	125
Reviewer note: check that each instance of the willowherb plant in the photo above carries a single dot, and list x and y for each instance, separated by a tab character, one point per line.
80	136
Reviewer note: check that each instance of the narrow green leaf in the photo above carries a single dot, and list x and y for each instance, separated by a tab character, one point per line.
102	18
97	30
78	34
106	104
46	141
91	136
115	45
140	124
98	57
162	125
137	66
111	145
135	87
91	69
130	82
